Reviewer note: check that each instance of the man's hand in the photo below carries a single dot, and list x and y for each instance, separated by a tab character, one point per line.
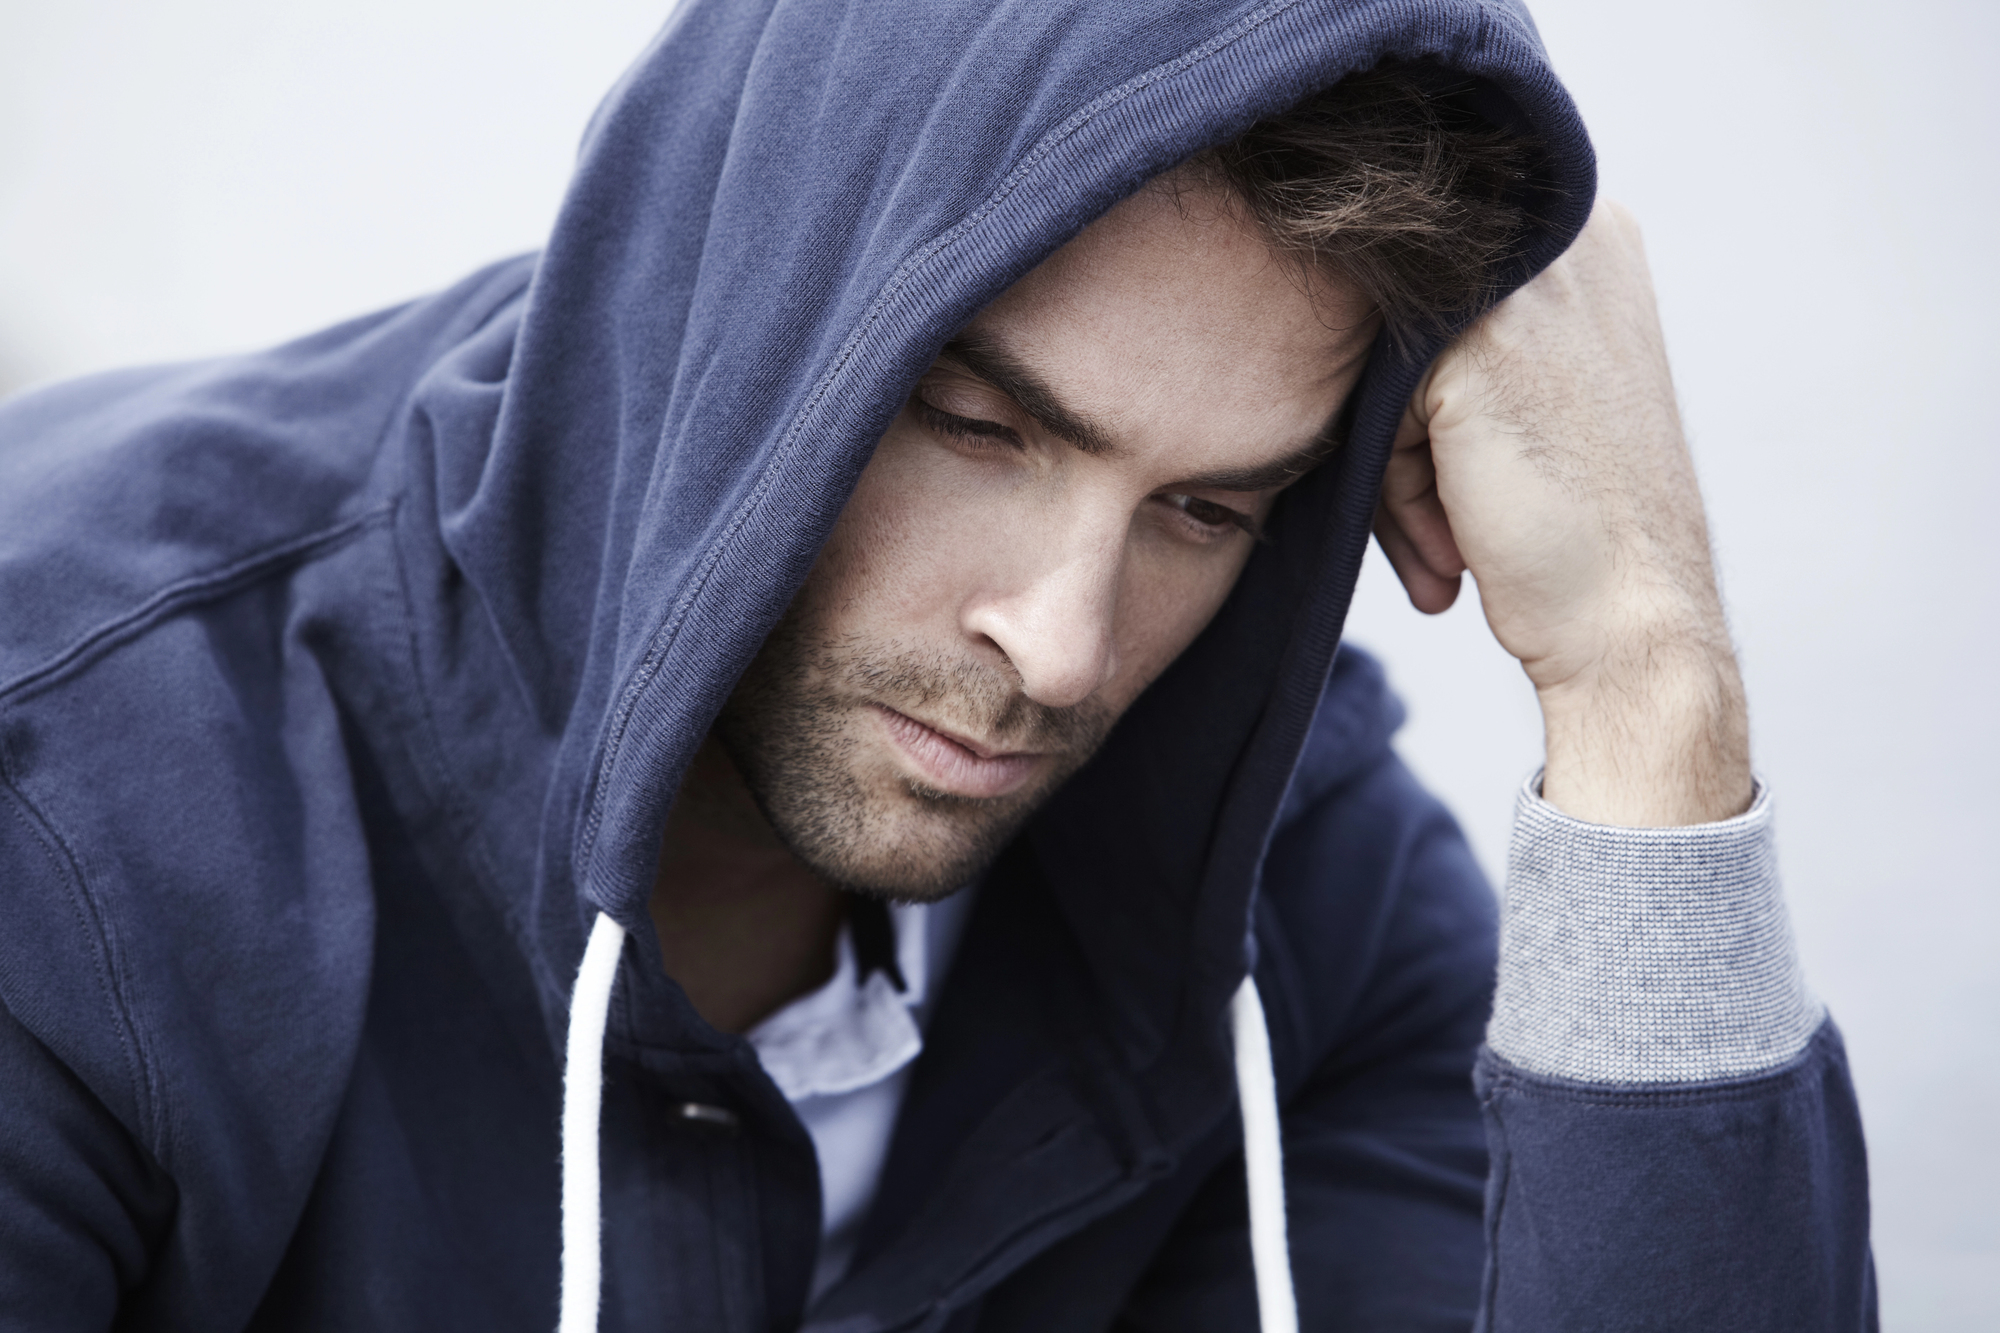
1543	452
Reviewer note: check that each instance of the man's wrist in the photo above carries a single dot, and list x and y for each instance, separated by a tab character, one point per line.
1656	737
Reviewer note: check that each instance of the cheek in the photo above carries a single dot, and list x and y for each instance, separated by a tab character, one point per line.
1166	598
891	566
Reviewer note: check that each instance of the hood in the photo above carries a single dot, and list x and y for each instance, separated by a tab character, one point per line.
779	215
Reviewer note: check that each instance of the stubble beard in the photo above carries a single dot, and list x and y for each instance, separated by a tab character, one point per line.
795	728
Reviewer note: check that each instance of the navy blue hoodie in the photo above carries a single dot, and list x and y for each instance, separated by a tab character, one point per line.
342	687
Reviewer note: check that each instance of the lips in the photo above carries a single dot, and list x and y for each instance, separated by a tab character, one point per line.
954	766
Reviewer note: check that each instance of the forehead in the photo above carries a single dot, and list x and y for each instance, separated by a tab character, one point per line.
1171	319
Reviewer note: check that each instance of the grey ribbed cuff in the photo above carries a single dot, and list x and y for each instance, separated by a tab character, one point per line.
1659	955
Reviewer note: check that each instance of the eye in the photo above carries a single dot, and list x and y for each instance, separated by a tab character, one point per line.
1211	520
967	429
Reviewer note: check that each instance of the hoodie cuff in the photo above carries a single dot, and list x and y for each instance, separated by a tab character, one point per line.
1646	955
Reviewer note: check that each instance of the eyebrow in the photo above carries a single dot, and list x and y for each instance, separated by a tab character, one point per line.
999	367
1268	476
988	360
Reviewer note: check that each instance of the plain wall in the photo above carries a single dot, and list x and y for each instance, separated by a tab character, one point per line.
1818	187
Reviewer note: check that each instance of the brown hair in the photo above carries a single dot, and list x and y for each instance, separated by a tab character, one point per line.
1394	181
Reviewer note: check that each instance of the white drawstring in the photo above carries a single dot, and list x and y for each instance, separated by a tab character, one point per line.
1263	1160
583	1100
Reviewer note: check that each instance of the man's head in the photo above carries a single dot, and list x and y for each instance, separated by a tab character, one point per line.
1071	490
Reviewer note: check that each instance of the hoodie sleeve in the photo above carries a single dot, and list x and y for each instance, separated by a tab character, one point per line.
1670	1138
81	1205
1674	1136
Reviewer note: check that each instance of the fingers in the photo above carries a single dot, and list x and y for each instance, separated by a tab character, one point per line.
1430	592
1411	523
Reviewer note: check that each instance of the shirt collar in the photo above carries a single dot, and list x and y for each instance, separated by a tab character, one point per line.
864	1024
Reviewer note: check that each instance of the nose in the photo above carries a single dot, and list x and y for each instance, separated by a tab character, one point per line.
1052	611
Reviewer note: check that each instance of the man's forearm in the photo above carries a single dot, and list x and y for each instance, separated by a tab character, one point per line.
1674	1136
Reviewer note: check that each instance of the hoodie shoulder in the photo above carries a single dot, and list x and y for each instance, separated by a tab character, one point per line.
1358	715
1375	927
192	561
124	491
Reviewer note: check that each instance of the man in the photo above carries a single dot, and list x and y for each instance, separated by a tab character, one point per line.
928	465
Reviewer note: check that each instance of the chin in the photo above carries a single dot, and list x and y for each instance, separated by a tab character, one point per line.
914	847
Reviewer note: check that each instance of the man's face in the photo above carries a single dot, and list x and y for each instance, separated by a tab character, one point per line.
1064	502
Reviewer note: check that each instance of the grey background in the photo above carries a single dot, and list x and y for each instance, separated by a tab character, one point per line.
1818	187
